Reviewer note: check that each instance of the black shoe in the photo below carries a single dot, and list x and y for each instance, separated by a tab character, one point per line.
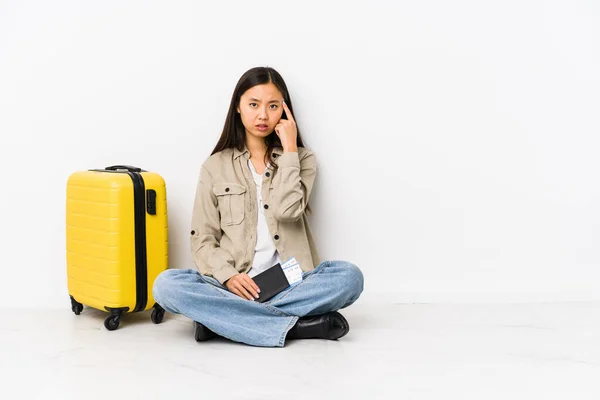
330	326
202	333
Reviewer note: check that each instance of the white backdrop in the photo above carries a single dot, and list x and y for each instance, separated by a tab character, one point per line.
457	141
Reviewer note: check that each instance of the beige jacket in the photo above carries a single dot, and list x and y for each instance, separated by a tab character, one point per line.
224	219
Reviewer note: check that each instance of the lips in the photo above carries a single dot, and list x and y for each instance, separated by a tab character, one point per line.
262	127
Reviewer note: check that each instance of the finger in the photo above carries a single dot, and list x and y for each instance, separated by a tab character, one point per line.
240	294
244	292
254	285
288	113
250	286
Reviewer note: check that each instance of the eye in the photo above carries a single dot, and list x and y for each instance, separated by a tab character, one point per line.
252	105
274	106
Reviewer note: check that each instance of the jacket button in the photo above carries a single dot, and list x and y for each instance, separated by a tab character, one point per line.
227	189
276	237
268	174
193	232
266	206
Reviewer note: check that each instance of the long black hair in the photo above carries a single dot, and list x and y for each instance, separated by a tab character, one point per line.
234	134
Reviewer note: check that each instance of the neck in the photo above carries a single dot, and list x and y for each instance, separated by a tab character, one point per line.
256	146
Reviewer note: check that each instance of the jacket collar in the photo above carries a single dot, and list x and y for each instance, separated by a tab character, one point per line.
237	153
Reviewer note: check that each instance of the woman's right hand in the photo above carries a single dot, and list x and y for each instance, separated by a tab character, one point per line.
243	286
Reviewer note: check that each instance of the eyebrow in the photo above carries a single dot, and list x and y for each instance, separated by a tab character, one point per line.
272	101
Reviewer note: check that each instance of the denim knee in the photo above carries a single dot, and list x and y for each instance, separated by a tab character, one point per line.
162	285
355	279
350	278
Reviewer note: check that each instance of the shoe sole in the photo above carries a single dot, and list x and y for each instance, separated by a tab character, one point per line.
201	336
346	325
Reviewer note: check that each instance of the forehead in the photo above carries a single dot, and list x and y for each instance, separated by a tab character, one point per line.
265	92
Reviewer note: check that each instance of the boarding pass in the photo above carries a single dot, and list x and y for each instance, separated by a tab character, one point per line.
292	271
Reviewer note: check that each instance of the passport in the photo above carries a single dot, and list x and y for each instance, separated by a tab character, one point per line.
270	282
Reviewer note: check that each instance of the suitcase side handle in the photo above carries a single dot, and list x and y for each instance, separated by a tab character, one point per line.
126	167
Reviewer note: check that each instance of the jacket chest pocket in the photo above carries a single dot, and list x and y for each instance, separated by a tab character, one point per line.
230	197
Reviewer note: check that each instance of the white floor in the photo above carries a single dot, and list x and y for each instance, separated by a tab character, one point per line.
515	351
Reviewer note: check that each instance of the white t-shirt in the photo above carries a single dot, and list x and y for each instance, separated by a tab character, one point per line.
265	253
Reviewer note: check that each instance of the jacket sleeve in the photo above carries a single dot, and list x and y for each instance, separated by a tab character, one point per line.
206	233
292	185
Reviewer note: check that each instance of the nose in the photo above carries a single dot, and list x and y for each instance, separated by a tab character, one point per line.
262	114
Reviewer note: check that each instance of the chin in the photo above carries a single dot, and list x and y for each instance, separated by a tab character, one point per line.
263	134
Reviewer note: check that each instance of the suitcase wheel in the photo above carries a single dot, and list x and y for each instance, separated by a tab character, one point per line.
76	307
157	314
112	322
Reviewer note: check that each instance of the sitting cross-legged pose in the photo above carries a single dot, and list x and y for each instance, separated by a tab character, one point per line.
250	213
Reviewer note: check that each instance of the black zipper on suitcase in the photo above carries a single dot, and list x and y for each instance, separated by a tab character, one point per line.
141	266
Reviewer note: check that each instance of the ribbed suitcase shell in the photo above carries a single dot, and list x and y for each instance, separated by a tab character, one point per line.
105	260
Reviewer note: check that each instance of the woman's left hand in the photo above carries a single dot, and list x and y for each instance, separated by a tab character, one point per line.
286	130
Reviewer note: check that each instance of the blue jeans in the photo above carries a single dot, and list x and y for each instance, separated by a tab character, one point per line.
329	287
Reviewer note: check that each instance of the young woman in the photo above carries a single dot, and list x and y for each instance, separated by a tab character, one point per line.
250	214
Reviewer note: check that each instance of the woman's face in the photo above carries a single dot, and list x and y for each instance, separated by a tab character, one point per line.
261	108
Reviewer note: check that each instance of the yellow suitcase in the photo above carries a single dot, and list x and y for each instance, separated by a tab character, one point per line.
116	240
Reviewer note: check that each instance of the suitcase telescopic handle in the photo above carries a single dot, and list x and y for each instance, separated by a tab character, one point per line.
127	167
